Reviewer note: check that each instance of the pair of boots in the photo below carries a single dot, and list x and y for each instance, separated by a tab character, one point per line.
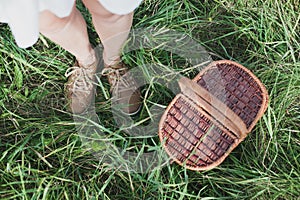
81	87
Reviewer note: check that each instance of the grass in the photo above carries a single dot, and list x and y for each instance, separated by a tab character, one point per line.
41	152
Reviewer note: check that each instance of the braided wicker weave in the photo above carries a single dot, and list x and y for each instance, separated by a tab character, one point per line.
213	113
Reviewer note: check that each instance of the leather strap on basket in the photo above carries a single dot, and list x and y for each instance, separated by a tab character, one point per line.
218	110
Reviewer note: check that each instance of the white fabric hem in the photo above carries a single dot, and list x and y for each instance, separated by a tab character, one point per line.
22	16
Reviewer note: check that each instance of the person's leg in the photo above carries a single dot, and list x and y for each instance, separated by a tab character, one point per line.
70	33
112	29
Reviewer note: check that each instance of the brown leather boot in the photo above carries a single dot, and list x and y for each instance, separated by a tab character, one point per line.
124	89
80	88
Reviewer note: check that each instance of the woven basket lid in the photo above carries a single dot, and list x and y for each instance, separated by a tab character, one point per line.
213	113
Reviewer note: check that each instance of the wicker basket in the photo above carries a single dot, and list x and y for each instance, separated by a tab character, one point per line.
213	113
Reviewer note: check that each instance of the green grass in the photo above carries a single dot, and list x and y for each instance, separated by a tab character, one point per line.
41	152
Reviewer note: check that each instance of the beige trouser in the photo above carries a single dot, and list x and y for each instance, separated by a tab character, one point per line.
71	32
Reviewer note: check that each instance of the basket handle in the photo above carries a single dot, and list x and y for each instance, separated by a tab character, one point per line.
221	112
